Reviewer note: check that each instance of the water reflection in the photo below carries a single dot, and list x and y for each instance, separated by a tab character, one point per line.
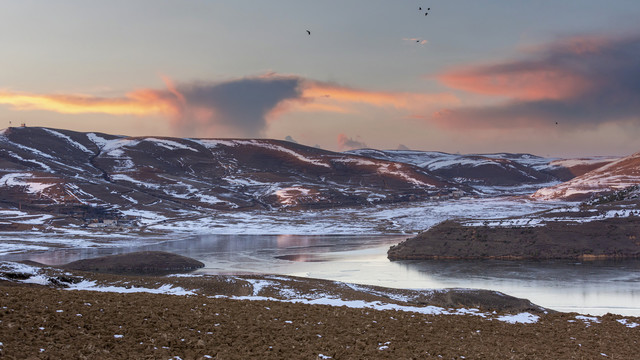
587	287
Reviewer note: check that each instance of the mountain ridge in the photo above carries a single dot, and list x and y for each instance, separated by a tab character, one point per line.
68	172
616	175
496	169
51	167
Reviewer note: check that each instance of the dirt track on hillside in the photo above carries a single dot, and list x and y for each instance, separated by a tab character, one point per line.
39	322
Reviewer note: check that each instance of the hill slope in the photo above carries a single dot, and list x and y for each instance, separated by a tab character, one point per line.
64	170
616	175
482	170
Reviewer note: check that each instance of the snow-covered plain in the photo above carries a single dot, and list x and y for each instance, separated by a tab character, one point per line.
408	218
380	219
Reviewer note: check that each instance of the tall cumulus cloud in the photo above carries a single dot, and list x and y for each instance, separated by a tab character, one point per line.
240	106
236	107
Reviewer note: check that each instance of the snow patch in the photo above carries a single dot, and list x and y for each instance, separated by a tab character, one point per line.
114	148
99	141
588	319
209	143
17	179
525	318
123	177
386	168
522	318
289	196
20	158
628	324
257	285
164	289
144	216
568	163
170	144
69	140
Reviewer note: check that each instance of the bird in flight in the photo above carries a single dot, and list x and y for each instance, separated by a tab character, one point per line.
308	32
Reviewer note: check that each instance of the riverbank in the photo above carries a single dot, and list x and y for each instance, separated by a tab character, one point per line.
612	238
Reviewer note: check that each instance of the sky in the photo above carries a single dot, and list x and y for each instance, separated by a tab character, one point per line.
550	78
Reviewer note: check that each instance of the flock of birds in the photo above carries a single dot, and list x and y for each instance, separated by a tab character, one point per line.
420	41
419	9
417	40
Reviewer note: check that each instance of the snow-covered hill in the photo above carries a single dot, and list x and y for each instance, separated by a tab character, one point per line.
616	175
41	168
500	169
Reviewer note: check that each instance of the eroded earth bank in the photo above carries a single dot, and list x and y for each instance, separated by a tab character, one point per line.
614	238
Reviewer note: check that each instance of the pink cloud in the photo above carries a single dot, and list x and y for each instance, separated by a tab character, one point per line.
578	81
347	143
516	80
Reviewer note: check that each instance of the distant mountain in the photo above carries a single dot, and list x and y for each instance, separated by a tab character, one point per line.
59	169
567	169
615	175
501	169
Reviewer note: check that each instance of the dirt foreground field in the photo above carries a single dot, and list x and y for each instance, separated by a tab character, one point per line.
39	322
52	313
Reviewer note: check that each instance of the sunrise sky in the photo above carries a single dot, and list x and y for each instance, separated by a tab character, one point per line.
552	78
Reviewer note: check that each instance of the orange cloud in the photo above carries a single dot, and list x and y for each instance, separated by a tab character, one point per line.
236	107
330	97
560	70
142	102
526	83
173	89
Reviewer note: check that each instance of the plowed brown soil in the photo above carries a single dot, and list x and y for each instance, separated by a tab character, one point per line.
38	322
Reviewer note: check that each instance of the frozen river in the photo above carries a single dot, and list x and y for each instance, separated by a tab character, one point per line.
586	287
227	243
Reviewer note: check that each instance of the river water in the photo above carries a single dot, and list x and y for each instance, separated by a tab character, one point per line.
587	287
